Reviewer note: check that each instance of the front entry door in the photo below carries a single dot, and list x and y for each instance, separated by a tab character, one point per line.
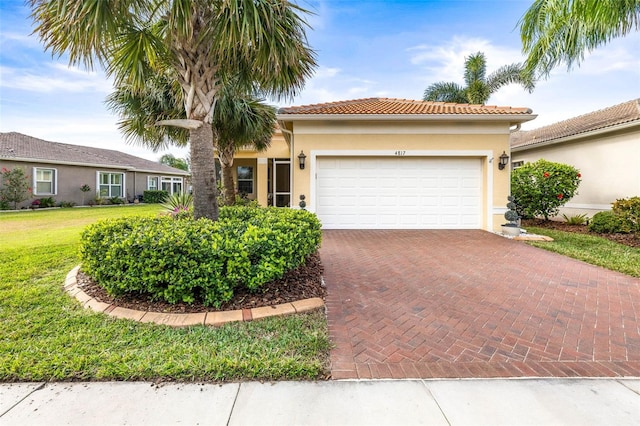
281	181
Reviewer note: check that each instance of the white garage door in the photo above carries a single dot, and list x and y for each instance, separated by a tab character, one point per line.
399	193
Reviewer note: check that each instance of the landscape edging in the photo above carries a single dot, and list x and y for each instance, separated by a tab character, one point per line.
211	318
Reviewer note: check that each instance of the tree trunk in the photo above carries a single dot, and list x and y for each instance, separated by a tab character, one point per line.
203	172
226	161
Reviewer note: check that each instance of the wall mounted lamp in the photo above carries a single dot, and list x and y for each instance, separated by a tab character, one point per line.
302	159
504	160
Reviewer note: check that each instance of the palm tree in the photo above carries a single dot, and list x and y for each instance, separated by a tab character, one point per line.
479	87
200	42
239	119
557	31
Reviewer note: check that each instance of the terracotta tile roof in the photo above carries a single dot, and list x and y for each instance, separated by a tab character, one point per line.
15	145
608	117
387	106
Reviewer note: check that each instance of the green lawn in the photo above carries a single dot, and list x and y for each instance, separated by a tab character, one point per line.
591	249
46	335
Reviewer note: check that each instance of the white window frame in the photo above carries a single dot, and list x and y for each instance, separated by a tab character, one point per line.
54	181
110	185
155	179
172	181
246	180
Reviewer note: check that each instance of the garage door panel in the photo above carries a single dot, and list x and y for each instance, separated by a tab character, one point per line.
407	192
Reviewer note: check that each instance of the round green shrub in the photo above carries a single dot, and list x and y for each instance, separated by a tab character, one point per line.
628	210
187	260
542	187
607	223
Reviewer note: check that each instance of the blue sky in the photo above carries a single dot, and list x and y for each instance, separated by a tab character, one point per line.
365	48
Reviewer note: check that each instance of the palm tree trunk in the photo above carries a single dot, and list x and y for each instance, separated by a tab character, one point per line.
203	173
226	161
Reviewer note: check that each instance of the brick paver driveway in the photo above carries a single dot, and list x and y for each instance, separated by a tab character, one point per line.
420	304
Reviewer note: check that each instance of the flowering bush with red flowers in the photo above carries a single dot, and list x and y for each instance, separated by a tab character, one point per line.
541	188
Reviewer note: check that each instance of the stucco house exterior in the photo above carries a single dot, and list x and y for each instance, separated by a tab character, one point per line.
58	170
382	163
604	145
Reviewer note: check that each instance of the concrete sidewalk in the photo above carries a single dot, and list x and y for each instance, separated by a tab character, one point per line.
379	402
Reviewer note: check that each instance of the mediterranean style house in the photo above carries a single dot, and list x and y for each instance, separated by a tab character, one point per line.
59	170
387	163
604	145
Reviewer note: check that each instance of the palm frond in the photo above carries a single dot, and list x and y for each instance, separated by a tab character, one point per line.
266	43
445	92
562	31
510	74
475	68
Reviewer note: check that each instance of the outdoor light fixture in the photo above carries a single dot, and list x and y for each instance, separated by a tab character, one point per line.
504	160
301	159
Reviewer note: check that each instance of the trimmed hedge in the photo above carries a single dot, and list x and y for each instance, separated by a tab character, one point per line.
187	260
154	197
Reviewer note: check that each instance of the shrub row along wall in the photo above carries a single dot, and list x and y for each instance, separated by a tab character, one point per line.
188	260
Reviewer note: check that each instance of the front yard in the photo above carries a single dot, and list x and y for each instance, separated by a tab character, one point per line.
46	335
591	248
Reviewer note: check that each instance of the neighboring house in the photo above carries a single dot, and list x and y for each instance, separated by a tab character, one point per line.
604	145
58	170
387	163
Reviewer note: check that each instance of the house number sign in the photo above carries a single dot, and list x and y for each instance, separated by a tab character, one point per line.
401	153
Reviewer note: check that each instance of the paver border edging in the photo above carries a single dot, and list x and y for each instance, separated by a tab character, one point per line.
211	318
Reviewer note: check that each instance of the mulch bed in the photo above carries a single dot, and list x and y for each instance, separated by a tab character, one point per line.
630	240
302	283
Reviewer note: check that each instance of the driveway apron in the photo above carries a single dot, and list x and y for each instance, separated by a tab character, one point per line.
469	303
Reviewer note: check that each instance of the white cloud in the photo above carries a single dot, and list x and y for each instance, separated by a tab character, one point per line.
619	55
326	72
446	62
54	78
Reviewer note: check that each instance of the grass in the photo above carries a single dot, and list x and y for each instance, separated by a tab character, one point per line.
45	335
591	249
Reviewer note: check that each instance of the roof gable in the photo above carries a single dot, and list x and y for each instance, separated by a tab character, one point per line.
17	146
388	106
611	117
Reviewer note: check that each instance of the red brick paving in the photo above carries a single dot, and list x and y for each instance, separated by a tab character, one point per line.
441	303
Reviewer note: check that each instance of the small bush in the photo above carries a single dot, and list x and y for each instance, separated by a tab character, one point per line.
579	219
628	210
66	204
180	206
608	223
116	200
154	197
189	260
46	202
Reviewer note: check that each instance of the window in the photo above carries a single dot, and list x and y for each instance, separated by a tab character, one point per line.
245	180
516	164
44	181
173	185
152	183
111	184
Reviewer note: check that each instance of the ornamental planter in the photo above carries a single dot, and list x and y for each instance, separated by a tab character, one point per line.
510	230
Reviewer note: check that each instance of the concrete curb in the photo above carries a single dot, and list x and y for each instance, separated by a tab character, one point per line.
212	318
